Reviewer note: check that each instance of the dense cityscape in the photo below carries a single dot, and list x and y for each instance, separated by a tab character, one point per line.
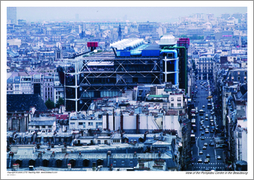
127	96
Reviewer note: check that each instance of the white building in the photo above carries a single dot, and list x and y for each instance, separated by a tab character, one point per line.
43	124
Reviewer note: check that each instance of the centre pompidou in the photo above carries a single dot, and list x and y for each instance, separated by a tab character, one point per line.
132	62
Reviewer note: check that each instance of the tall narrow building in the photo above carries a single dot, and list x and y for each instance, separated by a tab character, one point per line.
119	33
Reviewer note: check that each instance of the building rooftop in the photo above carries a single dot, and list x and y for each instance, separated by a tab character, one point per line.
41	123
23	102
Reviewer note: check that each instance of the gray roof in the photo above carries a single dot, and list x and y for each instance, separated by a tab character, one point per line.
23	102
41	123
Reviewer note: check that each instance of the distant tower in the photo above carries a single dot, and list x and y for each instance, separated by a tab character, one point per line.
58	53
81	35
119	33
11	15
240	41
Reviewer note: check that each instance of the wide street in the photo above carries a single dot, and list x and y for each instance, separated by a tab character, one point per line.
205	155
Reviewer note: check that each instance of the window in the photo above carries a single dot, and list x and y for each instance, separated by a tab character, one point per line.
179	98
43	126
49	126
172	99
84	125
80	123
98	124
36	126
178	104
172	104
90	123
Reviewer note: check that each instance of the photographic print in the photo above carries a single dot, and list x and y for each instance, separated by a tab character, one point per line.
126	88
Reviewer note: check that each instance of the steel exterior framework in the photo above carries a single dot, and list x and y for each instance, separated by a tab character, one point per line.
125	72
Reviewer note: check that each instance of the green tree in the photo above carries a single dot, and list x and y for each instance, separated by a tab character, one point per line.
50	104
59	102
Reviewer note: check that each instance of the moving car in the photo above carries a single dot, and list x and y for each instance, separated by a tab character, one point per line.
201	112
199	160
200	152
208	155
218	157
204	147
206	130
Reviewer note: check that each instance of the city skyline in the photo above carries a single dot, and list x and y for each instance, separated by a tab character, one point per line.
160	14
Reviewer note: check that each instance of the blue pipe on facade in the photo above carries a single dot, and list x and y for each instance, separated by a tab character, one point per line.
166	51
175	62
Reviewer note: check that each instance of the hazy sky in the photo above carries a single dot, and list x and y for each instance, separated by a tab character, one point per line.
152	14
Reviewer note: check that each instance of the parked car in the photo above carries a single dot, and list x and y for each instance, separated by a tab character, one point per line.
206	161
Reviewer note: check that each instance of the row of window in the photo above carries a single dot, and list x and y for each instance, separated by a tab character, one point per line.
41	127
238	78
123	162
87	123
178	99
89	94
178	105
